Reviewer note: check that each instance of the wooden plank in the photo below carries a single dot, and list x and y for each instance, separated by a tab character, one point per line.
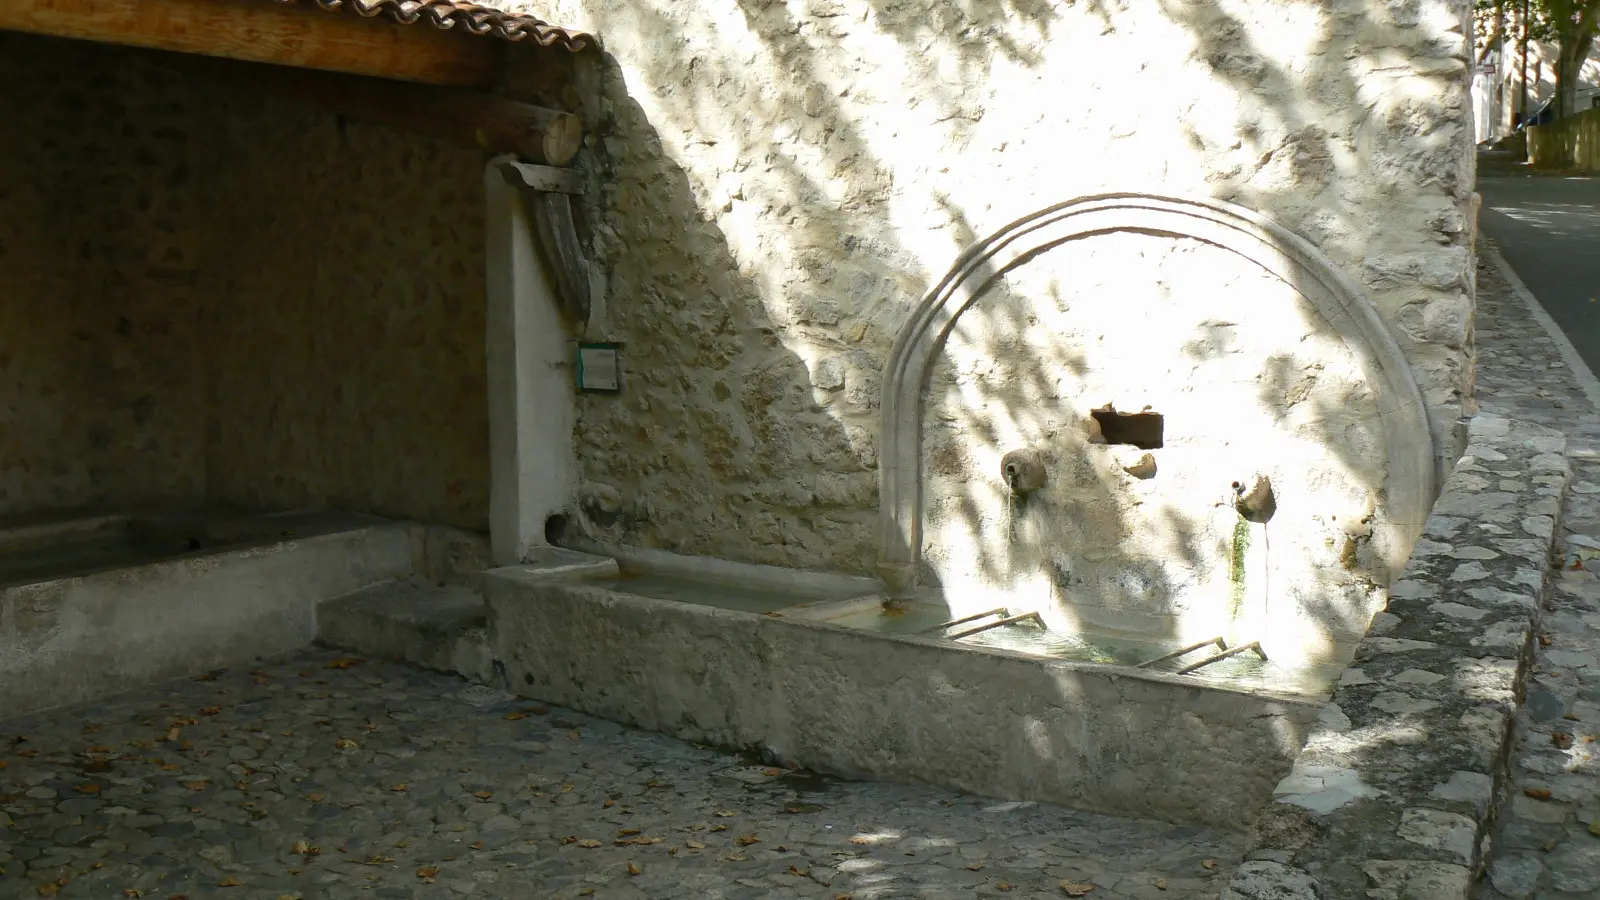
262	31
495	124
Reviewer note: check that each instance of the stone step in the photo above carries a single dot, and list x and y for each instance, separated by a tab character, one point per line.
437	627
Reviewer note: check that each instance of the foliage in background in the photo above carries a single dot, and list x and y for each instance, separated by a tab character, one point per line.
1569	24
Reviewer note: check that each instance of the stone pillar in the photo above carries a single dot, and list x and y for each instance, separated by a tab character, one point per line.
532	405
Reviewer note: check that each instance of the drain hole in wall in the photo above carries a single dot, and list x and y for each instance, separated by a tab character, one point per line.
1141	429
555	528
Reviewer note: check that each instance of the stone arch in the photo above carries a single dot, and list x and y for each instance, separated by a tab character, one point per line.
1411	445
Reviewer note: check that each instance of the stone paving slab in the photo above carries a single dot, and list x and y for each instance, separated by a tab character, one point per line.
1547	844
310	778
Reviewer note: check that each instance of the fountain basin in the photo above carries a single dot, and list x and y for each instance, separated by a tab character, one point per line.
880	701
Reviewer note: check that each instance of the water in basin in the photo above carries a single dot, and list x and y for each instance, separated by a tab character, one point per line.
912	620
702	591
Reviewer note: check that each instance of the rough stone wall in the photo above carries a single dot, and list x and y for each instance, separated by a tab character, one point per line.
212	298
99	304
776	183
346	361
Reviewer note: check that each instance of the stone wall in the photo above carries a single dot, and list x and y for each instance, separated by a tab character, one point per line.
1568	144
99	292
205	297
777	183
346	361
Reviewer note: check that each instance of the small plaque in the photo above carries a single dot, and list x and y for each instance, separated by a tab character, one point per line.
600	368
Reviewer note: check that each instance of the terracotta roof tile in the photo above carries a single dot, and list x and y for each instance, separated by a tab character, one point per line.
470	17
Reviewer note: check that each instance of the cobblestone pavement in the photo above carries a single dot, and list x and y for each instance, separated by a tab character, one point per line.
1548	841
308	779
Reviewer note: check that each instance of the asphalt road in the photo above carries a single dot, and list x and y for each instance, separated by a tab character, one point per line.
1548	228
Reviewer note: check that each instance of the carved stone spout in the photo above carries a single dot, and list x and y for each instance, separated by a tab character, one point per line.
1023	471
1254	499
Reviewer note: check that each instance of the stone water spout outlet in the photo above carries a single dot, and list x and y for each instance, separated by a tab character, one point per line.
1254	499
1023	471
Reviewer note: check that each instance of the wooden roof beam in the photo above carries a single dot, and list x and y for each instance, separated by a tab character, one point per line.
257	31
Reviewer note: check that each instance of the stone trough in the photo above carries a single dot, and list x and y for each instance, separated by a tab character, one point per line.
787	673
93	605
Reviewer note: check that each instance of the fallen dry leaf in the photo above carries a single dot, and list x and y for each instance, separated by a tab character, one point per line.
514	716
633	869
772	773
230	881
344	662
696	845
725	813
1561	739
49	890
483	795
1004	886
135	893
589	843
87	788
346	744
427	873
1545	640
975	867
746	840
627	831
400	788
1161	884
608	804
718	828
861	839
799	872
315	798
211	711
1537	793
1075	888
1208	864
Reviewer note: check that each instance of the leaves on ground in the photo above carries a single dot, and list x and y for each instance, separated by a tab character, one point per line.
1537	793
344	662
1080	888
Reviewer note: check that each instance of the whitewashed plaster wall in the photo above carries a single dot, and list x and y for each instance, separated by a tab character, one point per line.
775	185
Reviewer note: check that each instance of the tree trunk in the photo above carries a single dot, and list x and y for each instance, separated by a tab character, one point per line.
1576	39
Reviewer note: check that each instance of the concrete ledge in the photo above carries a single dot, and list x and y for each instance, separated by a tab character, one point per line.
436	627
1401	775
70	639
859	704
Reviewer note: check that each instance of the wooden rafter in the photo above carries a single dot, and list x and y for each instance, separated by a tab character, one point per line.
256	31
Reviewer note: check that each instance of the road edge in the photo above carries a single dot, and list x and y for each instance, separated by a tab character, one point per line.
1587	382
